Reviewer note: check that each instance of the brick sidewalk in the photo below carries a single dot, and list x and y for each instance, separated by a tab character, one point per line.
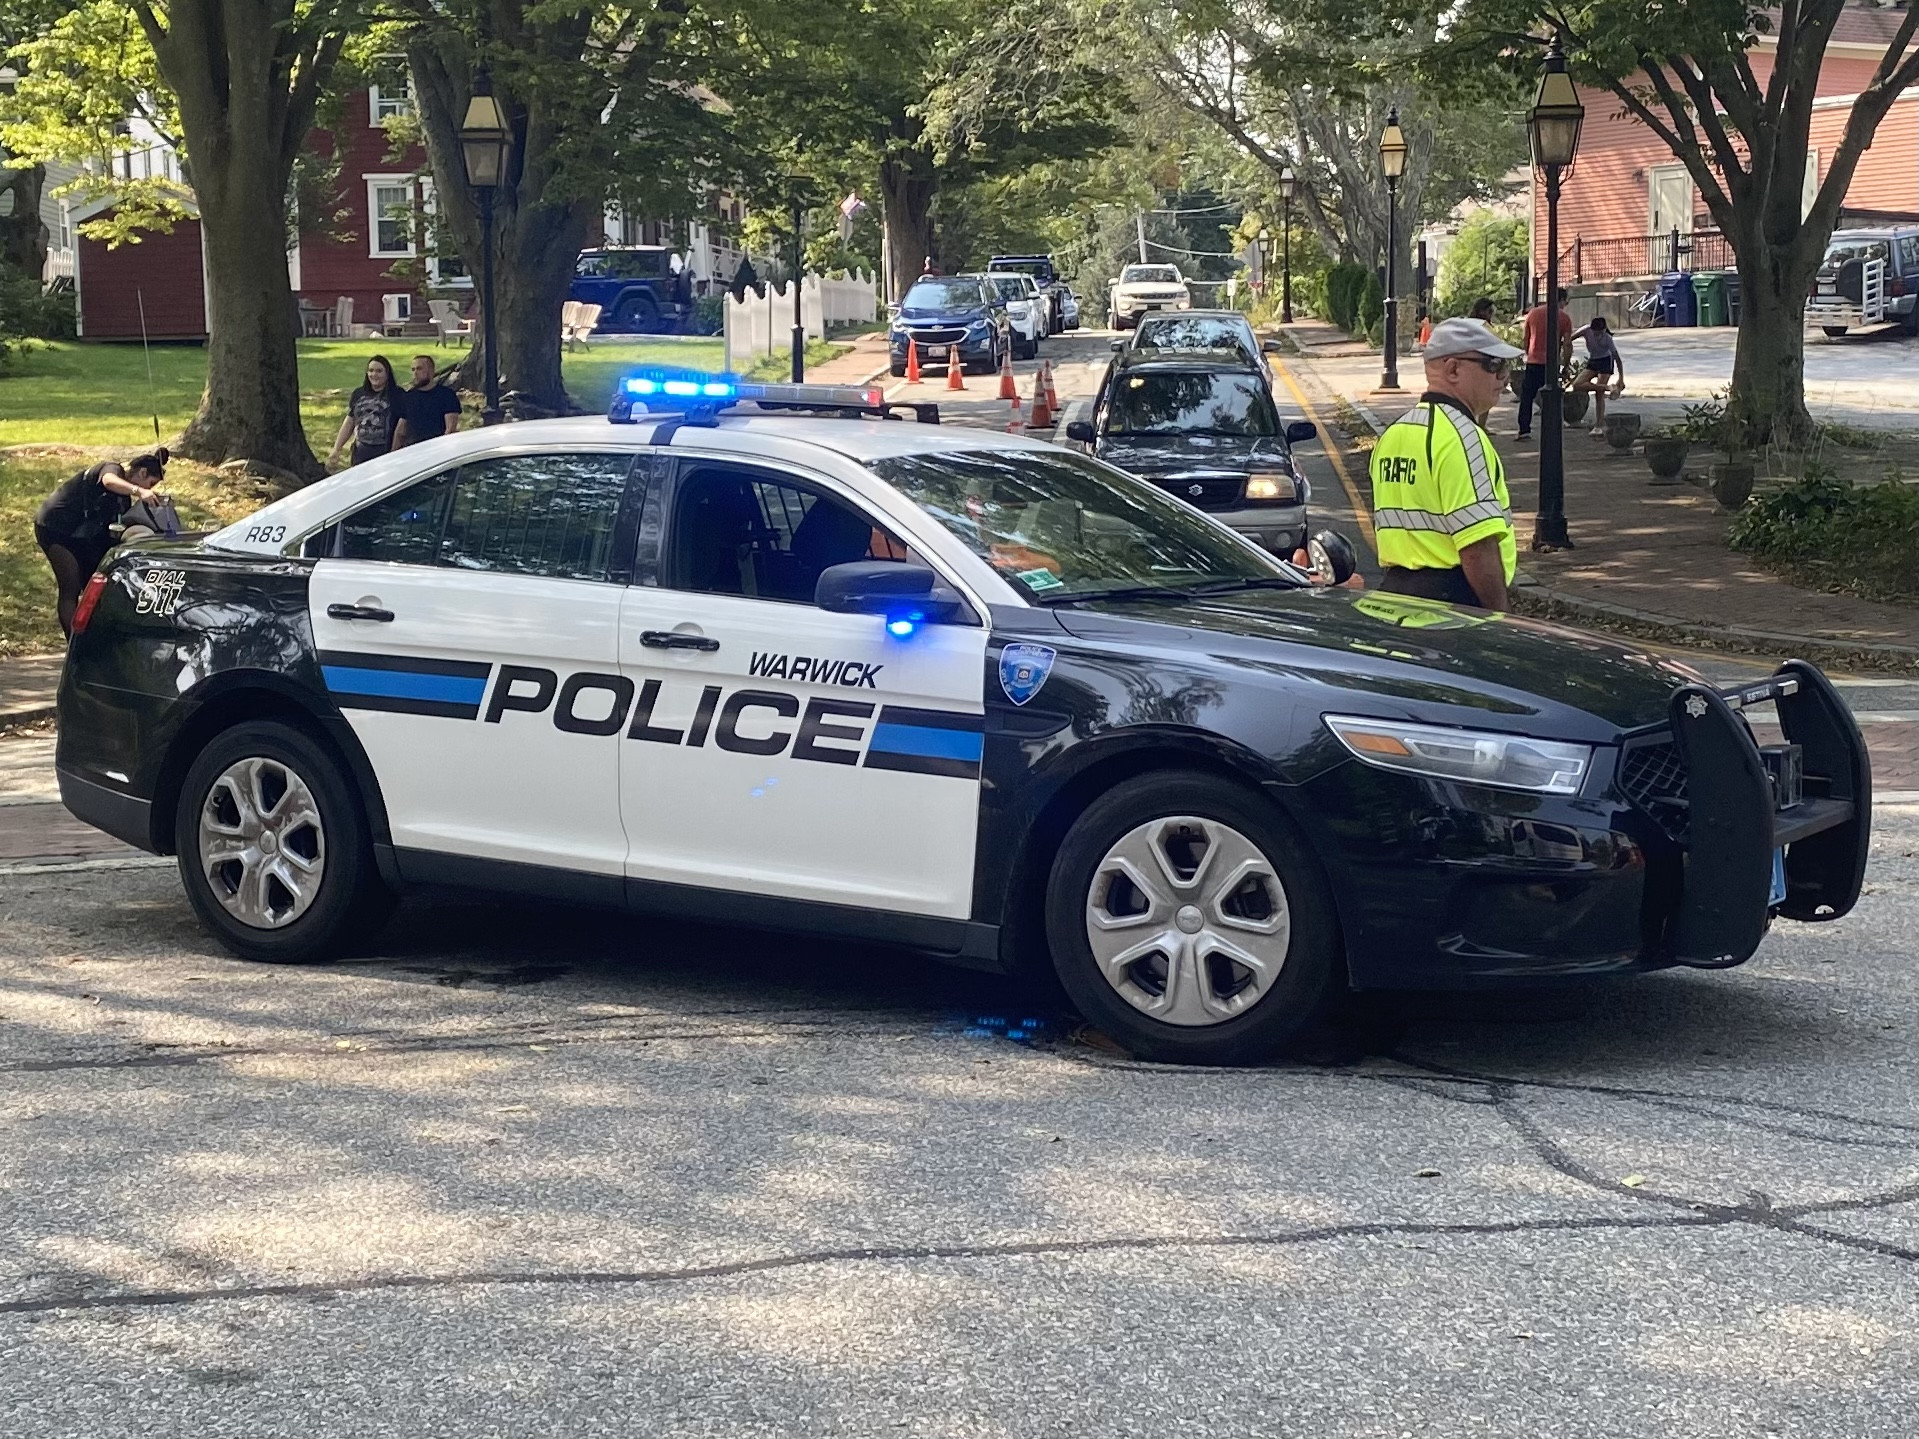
1654	556
27	686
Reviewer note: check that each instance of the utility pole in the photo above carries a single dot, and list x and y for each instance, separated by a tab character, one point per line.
1139	222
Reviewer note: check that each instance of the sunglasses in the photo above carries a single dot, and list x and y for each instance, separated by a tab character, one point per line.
1491	367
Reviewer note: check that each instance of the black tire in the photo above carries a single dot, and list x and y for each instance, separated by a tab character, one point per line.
897	368
349	902
637	314
1834	330
1303	981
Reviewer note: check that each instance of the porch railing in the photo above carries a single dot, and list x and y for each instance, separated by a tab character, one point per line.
1617	257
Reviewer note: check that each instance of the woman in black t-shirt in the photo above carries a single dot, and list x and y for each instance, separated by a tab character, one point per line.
372	411
72	523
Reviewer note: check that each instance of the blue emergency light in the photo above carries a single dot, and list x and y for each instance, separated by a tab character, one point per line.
701	396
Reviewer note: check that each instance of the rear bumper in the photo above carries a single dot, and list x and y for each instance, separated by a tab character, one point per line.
124	816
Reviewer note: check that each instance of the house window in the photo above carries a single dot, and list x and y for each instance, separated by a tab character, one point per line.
389	208
391	93
64	240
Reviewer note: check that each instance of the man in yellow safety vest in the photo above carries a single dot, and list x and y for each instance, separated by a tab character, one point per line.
1440	509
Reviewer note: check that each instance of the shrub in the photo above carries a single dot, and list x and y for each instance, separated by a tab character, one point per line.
709	315
1343	284
1372	301
1486	257
1863	540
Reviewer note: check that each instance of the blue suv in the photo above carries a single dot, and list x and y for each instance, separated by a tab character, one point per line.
635	288
944	314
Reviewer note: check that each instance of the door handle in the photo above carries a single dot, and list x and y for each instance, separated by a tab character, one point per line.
674	640
359	612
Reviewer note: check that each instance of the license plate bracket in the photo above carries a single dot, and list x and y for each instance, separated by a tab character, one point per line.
936	352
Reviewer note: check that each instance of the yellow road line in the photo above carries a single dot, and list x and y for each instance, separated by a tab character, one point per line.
1331	447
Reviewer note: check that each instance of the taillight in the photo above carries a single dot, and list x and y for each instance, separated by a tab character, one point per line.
89	597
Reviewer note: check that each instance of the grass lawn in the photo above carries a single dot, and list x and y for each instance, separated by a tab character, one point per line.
67	393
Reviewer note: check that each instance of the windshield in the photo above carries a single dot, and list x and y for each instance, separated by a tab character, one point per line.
1192	332
948	294
1162	402
1038	269
1063	526
1008	287
1149	274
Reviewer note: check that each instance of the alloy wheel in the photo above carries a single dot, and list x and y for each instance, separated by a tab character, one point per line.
262	843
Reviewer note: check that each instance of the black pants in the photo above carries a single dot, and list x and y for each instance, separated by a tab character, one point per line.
1530	385
1449	585
74	560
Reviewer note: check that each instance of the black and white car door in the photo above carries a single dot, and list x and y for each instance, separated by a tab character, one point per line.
468	629
782	749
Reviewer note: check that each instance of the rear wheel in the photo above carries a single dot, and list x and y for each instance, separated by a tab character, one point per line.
273	847
1187	920
1834	330
637	313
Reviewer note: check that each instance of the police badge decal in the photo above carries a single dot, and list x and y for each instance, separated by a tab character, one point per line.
1023	669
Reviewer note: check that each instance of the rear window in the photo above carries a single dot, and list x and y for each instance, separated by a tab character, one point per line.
943	294
1840	251
1192	332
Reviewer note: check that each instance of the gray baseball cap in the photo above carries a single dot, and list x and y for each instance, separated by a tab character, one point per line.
1467	337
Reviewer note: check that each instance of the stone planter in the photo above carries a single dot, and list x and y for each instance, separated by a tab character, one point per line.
1573	405
1732	482
1666	457
1621	430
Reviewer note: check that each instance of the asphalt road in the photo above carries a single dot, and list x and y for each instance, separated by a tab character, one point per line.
546	1172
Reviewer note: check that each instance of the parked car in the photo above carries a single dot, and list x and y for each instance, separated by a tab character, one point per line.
1070	304
1869	277
635	287
1026	311
1143	288
1201	424
1041	268
1198	330
947	314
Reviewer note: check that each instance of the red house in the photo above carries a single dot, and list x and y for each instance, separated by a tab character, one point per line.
156	288
1629	192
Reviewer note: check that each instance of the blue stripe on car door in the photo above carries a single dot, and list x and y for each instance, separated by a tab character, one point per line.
400	684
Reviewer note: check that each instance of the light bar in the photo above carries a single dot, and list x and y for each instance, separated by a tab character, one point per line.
687	391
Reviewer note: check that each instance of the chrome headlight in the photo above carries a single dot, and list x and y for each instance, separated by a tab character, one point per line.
1507	761
1271	485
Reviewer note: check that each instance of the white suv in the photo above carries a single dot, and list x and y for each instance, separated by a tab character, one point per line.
1141	288
1026	307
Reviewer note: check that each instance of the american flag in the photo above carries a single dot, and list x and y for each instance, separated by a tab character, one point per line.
852	204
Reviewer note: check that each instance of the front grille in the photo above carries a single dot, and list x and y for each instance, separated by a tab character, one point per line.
1652	772
938	337
1221	493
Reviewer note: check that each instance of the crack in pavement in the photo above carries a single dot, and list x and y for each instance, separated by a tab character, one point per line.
870	1254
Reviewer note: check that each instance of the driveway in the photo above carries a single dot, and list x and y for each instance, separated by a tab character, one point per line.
1861	379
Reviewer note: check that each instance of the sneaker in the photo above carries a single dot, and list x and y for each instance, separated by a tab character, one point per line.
1523	435
1598	432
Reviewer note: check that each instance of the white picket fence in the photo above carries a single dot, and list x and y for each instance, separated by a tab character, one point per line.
762	323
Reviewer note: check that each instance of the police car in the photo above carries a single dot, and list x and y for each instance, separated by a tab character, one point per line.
775	656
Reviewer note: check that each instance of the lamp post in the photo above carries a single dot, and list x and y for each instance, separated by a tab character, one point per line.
1392	160
483	141
1265	255
1287	184
799	319
1555	122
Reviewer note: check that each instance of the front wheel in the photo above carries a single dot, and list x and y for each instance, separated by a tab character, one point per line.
273	847
1188	920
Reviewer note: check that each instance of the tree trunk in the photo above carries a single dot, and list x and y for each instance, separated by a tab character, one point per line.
907	188
1768	393
533	269
23	236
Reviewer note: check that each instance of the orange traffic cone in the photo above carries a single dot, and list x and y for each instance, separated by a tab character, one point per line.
953	368
1007	389
1016	426
912	361
1052	395
1042	411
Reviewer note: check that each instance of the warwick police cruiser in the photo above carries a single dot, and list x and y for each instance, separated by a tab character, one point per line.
771	655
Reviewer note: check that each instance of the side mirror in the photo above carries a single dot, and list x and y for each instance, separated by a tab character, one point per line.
886	587
1299	431
1081	430
1118	345
1332	557
1273	347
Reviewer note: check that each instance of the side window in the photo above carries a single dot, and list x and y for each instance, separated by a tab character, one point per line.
402	529
552	515
747	532
1909	254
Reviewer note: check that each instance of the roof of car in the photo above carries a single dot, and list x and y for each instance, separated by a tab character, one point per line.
1173	317
1153	357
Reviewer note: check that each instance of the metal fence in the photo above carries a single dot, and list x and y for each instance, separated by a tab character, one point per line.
1619	257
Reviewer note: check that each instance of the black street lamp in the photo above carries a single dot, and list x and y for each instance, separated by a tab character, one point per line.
799	264
1392	160
483	142
1265	248
1287	184
1555	122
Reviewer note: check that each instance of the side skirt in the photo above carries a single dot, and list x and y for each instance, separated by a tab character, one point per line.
957	941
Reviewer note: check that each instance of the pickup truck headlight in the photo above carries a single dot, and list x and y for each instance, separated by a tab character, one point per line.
1505	761
1271	486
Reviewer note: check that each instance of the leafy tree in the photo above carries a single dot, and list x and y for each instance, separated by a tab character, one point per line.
1486	258
1694	76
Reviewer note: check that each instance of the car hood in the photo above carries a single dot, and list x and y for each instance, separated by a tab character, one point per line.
923	315
1396	656
1165	456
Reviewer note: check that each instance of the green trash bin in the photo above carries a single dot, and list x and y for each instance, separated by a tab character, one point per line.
1710	287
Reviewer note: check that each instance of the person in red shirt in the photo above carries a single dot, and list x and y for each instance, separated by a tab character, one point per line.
1536	358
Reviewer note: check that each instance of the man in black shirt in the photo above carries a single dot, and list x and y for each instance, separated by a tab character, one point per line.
427	407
